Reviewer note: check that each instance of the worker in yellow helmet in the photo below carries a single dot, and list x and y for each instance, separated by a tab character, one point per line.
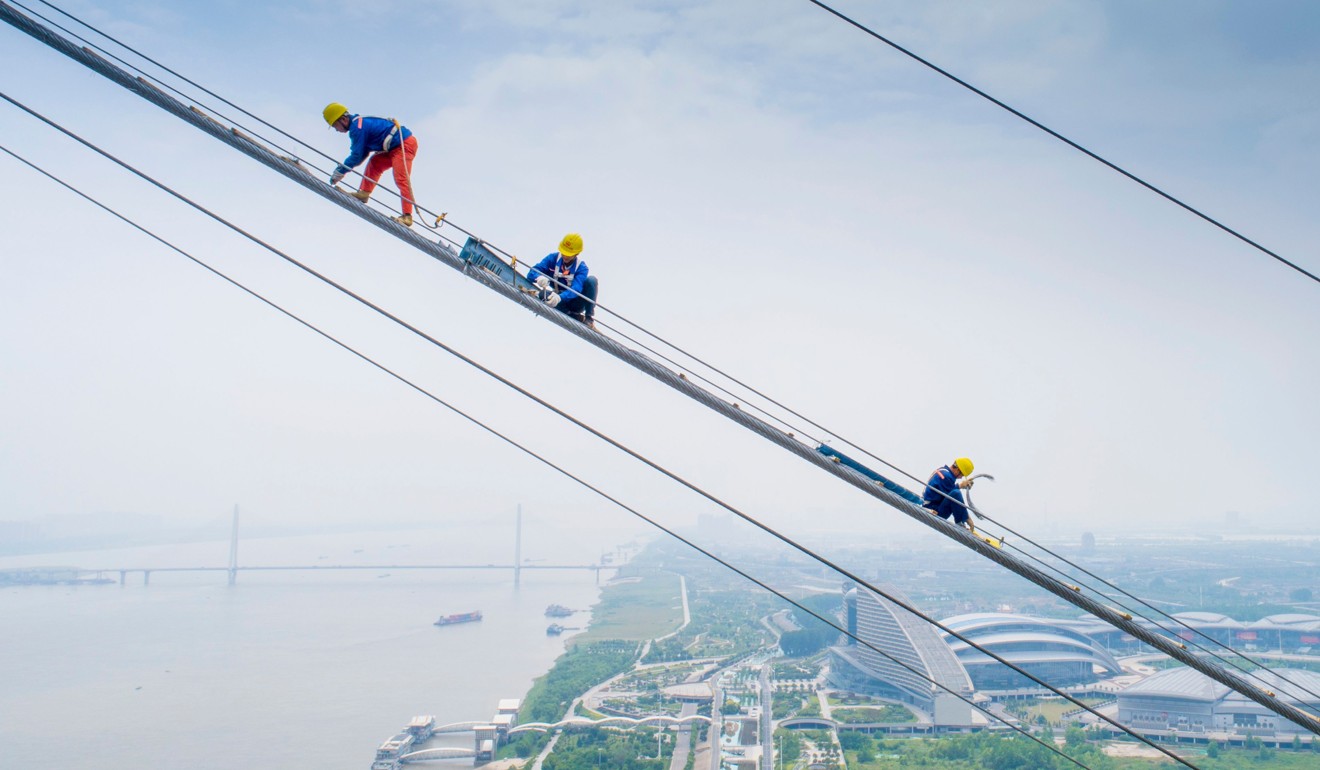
390	145
564	282
943	495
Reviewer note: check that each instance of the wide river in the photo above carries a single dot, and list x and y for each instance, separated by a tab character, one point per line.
285	669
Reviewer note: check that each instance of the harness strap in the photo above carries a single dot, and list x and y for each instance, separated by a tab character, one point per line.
389	138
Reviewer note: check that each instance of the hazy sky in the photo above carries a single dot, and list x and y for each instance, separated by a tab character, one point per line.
828	220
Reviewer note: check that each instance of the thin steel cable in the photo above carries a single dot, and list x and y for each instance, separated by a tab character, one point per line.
691	544
586	427
1112	166
295	173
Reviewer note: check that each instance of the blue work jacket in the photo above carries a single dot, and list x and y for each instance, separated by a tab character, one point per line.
368	135
943	480
567	279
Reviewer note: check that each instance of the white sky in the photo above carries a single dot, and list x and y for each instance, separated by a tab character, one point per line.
824	218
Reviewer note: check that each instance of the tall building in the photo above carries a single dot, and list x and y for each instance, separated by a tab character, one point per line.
881	624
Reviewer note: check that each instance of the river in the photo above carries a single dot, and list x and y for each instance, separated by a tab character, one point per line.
285	669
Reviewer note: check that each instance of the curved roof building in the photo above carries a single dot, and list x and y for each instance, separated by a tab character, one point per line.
917	644
1186	700
1294	633
1053	650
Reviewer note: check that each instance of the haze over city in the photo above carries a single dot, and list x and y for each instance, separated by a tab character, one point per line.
917	271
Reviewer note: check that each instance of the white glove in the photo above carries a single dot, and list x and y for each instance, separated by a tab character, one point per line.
542	282
335	178
966	483
552	300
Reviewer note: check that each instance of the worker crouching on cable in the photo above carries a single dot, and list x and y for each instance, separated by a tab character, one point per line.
564	283
390	144
943	495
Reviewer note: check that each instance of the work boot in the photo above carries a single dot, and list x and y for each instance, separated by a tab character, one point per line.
360	195
405	220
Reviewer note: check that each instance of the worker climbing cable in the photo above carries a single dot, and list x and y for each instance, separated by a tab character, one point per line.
564	283
943	495
390	145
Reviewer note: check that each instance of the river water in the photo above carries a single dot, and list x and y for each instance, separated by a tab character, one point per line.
285	669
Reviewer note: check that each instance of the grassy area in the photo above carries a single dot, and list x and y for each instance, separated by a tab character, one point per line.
1052	709
864	714
636	610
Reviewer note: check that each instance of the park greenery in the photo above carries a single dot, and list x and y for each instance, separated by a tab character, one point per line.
890	713
611	750
581	667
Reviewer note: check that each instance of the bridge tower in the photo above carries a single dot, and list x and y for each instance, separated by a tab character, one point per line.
233	549
517	549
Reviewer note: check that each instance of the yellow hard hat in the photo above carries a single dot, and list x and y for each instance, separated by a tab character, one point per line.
964	465
334	111
571	246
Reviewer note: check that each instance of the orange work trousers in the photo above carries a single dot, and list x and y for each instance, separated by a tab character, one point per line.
399	158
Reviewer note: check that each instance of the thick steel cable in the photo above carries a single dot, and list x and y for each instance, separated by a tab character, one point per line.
590	429
560	469
1064	139
291	170
586	427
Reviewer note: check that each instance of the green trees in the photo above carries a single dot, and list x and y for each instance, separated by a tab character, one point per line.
576	671
807	641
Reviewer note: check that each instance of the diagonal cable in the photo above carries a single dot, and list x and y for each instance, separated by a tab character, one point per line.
290	169
367	359
593	431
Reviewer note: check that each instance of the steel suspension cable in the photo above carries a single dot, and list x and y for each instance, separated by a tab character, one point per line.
586	427
540	458
291	170
1065	140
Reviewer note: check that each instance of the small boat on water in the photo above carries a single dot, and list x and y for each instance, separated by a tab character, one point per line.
554	629
462	617
557	611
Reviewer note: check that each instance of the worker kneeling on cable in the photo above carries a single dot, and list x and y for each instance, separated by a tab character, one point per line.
943	496
390	144
562	281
